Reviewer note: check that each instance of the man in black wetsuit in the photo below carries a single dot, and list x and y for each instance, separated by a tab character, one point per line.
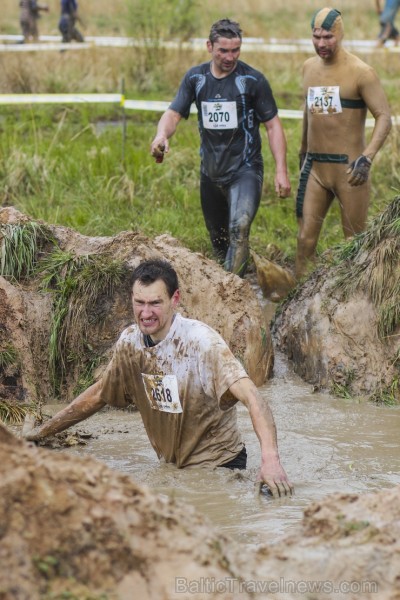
232	100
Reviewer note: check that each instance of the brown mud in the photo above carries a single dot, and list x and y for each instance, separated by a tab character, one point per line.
126	526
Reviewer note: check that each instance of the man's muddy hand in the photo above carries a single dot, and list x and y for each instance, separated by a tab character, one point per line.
158	148
358	170
32	435
276	481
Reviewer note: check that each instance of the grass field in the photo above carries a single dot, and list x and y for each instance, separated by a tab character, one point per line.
68	164
259	18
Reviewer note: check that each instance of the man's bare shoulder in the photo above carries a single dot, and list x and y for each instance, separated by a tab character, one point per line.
311	63
355	62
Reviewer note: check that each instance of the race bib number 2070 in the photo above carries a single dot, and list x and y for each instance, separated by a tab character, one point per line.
219	115
162	392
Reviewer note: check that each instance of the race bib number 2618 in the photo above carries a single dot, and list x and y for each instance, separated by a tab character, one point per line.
162	392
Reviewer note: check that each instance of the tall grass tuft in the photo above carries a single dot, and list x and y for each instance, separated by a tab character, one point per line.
76	283
13	413
371	263
20	247
8	356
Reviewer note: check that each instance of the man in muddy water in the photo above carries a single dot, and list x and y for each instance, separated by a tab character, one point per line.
232	100
335	159
185	382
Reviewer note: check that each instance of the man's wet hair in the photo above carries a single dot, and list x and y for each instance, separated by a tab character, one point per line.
149	271
225	28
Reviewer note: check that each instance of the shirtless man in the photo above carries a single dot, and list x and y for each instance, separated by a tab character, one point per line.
232	101
335	159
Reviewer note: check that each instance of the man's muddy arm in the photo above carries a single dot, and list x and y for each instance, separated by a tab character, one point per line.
271	471
375	98
85	405
165	130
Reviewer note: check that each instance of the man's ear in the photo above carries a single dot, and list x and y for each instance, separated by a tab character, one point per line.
176	296
209	46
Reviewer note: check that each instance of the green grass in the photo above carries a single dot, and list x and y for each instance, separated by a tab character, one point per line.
65	165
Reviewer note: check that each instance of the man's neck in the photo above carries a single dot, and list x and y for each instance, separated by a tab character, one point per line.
150	341
219	74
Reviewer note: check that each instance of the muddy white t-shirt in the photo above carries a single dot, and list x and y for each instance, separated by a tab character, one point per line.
181	388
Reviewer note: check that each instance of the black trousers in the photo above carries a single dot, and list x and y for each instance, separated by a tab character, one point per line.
239	462
229	211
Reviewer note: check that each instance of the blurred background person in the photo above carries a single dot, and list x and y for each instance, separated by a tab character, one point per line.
69	18
28	18
386	20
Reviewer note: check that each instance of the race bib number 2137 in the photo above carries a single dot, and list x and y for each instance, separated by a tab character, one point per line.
324	100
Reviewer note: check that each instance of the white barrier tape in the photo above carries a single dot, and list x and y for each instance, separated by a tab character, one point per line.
52	42
147	105
60	98
43	47
154	105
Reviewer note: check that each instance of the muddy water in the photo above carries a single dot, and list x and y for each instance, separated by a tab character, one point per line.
326	444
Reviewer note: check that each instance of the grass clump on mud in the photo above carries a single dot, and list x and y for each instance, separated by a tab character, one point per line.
370	262
79	286
13	413
10	410
8	356
76	283
21	245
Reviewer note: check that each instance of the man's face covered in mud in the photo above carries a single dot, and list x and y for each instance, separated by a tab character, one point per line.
327	32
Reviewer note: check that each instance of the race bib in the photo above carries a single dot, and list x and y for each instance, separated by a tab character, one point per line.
162	392
219	115
324	100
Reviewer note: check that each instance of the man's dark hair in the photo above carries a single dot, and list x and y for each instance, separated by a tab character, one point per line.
152	270
225	28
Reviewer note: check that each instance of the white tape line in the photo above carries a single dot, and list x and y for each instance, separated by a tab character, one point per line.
154	105
60	98
272	45
146	105
150	105
51	46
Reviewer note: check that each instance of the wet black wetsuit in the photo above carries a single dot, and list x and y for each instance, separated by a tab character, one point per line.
230	111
